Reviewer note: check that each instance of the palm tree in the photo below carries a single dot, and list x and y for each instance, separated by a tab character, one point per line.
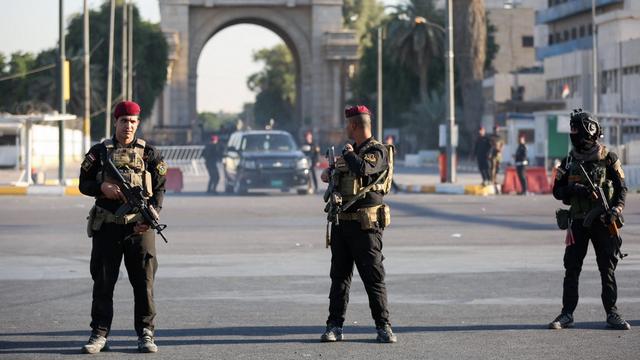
470	35
415	38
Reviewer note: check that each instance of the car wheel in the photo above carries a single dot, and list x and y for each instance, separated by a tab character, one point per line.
303	191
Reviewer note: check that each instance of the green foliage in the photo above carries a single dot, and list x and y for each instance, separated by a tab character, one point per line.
416	39
213	122
150	52
38	91
275	87
492	46
362	16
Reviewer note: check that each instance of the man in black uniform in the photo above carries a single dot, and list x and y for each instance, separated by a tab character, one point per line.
212	155
115	237
521	164
358	236
312	152
572	187
482	151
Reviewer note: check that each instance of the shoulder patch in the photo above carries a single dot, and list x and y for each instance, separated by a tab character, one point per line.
88	161
560	173
162	168
371	158
617	167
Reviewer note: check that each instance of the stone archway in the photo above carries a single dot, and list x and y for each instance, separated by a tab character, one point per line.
312	29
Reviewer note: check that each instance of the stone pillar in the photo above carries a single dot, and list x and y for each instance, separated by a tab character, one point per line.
175	19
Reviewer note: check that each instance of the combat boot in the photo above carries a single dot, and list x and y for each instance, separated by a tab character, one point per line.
95	344
146	343
385	334
562	321
333	333
615	321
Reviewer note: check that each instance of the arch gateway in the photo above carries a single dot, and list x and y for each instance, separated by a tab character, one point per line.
312	29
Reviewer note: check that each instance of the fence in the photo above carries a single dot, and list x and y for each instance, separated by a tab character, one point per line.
187	158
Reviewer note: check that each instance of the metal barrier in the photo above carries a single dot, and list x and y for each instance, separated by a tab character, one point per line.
187	158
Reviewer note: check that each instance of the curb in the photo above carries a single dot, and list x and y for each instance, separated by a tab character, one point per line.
450	189
39	190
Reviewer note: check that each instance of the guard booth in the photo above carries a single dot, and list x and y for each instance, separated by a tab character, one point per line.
21	145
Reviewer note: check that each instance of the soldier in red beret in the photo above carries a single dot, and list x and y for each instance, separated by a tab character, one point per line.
364	175
124	235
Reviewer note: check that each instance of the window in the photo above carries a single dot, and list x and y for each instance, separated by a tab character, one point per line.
590	30
566	35
550	39
582	31
527	41
558	39
574	33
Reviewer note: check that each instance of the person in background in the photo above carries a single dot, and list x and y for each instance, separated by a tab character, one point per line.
212	155
521	164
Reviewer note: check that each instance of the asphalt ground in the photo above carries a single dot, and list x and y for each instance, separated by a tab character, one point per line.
247	278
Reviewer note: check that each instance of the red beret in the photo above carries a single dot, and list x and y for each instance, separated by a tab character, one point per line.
351	111
126	108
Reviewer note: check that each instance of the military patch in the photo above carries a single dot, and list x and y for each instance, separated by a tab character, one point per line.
617	167
88	161
162	168
371	158
560	173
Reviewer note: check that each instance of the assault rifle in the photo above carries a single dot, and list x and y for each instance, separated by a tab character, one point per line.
603	209
136	202
332	196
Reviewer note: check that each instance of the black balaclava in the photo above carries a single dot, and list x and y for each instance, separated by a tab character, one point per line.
585	130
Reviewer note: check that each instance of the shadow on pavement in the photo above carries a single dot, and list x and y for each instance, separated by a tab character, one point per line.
417	210
255	334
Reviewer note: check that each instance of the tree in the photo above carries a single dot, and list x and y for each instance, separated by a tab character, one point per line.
38	90
150	52
362	16
415	38
470	35
274	86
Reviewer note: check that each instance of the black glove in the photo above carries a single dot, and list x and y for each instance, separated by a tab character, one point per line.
614	214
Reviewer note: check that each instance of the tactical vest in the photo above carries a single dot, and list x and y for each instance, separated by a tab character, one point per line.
580	205
350	184
130	163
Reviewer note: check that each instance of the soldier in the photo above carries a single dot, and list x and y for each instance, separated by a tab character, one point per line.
312	151
115	237
521	164
495	156
212	154
572	187
482	150
365	173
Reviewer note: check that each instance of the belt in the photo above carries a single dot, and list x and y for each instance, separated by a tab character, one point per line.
356	216
110	217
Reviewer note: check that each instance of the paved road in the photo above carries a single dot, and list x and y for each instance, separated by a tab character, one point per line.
247	277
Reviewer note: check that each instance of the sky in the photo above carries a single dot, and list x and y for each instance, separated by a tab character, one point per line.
223	67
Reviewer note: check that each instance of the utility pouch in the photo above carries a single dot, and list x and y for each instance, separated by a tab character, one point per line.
90	219
146	180
562	218
384	215
368	217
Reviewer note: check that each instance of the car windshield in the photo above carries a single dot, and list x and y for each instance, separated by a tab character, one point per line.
267	142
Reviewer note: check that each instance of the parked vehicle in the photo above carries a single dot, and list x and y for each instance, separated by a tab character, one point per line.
264	159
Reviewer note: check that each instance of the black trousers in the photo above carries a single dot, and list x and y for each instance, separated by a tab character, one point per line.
483	167
214	177
349	245
314	178
139	252
521	171
605	257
